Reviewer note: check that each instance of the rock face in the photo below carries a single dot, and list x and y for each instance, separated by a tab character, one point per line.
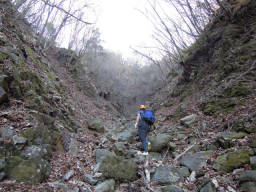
96	125
118	168
232	160
166	175
195	161
159	142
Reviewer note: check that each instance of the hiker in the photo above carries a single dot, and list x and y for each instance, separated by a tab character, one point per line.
144	126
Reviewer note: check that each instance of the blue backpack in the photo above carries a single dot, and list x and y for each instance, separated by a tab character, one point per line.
148	117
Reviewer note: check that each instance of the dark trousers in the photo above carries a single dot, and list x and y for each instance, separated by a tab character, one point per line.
143	131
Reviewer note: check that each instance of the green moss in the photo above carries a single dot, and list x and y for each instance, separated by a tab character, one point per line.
3	56
232	160
216	106
236	91
51	76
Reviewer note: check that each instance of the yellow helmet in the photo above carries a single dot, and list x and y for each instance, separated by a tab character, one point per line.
142	107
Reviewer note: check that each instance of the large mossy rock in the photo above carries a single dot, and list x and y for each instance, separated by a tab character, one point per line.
232	160
159	142
195	161
118	168
31	171
165	175
96	125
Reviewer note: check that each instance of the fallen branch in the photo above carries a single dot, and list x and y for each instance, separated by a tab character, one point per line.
183	153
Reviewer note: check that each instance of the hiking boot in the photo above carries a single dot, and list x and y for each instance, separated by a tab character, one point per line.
145	153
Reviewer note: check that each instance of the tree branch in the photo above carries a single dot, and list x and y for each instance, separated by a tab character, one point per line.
66	12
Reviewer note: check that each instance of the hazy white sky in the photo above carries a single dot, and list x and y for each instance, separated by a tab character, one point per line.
122	26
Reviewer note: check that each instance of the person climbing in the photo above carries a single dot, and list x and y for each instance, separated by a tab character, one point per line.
143	125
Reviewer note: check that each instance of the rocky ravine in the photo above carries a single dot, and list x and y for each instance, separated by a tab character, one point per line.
54	137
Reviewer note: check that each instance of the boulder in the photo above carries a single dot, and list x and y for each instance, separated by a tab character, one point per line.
6	132
90	179
188	120
248	181
31	171
96	125
183	171
232	160
106	186
248	176
19	140
120	148
159	142
166	175
195	161
248	187
102	153
3	96
224	139
68	175
253	162
127	135
209	187
118	168
33	152
171	188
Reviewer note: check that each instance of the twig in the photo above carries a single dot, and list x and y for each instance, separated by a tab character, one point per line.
165	153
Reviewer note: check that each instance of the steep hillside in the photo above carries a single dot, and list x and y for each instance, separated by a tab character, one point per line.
57	134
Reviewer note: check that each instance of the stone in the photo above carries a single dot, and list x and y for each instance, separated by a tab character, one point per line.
90	179
195	161
33	152
6	132
224	139
188	120
171	188
172	146
19	140
96	125
101	154
58	184
68	175
253	162
106	186
73	147
127	135
118	168
209	187
4	81
3	96
2	175
248	187
183	171
159	142
31	171
248	176
2	164
166	175
120	148
232	160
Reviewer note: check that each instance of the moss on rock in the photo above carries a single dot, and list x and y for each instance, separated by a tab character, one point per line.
232	160
216	106
236	91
